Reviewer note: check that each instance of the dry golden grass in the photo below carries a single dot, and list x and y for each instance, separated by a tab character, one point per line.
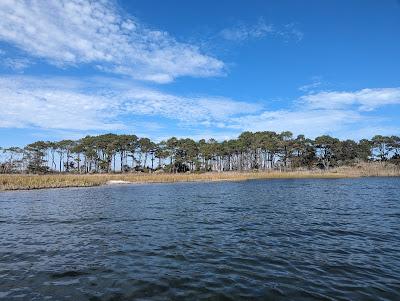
375	169
17	182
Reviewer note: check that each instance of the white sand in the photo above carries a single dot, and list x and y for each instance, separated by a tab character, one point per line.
112	182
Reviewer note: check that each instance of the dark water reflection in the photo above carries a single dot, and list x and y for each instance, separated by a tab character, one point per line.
271	240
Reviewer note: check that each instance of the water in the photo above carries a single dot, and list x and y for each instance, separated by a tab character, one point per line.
264	239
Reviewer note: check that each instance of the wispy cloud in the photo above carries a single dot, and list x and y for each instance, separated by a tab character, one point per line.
290	31
244	31
28	102
17	64
88	105
63	103
316	83
335	113
206	110
363	100
309	122
72	32
310	87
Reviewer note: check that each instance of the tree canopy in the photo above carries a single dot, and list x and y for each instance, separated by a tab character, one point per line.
250	151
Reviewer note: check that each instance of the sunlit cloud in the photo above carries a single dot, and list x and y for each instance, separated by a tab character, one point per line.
65	103
309	122
364	100
70	33
109	104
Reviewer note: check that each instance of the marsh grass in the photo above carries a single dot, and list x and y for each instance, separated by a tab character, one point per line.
19	182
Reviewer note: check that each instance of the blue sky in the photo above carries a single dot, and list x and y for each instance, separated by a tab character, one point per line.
198	68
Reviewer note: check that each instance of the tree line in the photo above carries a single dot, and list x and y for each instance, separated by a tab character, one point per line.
265	150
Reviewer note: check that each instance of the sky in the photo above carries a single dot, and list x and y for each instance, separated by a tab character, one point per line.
198	69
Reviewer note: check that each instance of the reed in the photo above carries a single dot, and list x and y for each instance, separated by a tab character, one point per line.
19	182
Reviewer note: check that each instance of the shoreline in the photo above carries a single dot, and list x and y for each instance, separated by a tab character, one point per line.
66	184
10	182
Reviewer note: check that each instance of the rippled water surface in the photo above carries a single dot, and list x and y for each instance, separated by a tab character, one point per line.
264	239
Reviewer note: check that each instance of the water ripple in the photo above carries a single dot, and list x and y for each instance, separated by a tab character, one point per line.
253	240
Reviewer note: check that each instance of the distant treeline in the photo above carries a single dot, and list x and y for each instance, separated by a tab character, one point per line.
250	151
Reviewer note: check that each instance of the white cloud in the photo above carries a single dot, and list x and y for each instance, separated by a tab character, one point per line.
71	32
290	31
86	105
62	103
309	122
311	87
368	131
189	110
206	134
242	32
33	104
334	113
17	64
364	100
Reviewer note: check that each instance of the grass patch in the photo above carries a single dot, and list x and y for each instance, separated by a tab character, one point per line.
18	182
